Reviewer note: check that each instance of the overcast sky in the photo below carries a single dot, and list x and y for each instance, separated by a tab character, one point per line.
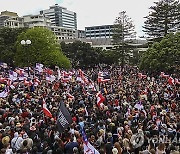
89	12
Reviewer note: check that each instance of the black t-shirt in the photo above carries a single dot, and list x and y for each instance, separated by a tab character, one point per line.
108	147
1	145
56	149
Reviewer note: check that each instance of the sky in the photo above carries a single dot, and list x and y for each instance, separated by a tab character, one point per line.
89	12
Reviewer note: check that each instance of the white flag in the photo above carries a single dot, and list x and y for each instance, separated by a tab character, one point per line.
89	149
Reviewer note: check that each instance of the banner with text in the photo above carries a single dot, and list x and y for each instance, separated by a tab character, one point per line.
64	119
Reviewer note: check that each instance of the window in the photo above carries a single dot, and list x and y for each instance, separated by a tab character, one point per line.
108	47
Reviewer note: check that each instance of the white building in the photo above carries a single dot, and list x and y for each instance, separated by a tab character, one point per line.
63	33
14	22
96	32
61	17
6	15
36	21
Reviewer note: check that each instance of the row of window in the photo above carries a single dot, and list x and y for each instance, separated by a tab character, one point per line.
69	16
107	31
68	21
49	15
94	28
63	38
11	24
68	24
65	13
71	27
63	30
64	34
97	35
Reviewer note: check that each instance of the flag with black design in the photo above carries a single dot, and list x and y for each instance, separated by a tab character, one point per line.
64	118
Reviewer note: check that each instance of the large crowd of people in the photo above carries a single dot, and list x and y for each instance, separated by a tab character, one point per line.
139	114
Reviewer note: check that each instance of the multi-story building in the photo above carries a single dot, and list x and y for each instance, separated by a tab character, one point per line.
40	20
96	32
14	22
5	15
61	17
28	21
81	34
36	21
63	33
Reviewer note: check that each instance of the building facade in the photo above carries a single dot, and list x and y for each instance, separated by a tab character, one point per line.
81	34
61	17
14	22
96	32
6	15
63	33
36	21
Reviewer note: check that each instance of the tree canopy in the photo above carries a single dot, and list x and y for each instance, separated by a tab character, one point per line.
122	32
163	56
163	19
43	49
80	53
8	37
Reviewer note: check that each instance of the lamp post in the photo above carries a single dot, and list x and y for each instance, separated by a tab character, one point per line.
25	43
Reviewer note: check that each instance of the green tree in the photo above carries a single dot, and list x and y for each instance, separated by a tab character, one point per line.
123	31
43	49
8	37
80	53
163	19
163	56
134	59
107	57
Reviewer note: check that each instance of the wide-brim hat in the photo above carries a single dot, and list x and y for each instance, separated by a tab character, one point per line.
115	151
5	140
18	125
163	112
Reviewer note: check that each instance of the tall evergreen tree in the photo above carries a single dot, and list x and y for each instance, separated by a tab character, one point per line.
123	31
163	19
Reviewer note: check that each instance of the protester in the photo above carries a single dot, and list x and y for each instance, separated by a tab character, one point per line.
99	109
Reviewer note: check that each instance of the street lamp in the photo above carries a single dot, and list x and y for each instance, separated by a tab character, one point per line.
23	42
26	43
